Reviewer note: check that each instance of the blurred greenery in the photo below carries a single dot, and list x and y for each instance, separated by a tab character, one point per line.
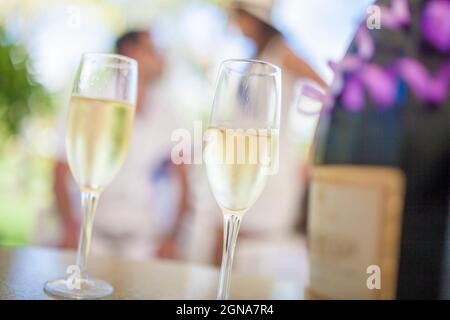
22	98
20	196
20	95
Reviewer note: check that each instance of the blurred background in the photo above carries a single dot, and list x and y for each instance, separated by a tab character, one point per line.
41	43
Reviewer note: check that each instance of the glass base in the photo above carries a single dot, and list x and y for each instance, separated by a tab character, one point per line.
87	288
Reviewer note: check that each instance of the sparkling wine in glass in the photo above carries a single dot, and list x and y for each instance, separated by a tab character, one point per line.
99	126
241	150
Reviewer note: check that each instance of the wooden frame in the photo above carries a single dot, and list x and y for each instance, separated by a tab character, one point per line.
342	192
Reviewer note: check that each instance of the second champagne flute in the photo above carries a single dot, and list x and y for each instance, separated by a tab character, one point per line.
241	145
99	127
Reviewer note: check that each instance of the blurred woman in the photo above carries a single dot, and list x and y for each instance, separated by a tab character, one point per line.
253	17
269	228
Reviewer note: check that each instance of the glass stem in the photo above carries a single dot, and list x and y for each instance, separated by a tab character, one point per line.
89	200
231	226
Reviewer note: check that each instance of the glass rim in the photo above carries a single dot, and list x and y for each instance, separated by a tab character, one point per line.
276	70
105	55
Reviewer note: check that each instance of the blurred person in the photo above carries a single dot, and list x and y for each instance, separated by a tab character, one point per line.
140	214
269	228
253	17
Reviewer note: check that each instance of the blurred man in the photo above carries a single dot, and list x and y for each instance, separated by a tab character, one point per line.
140	213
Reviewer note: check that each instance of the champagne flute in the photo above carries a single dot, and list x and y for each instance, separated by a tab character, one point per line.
241	148
98	132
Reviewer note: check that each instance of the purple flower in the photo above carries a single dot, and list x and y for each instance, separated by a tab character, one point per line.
428	88
397	16
436	24
366	46
353	96
355	74
381	84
